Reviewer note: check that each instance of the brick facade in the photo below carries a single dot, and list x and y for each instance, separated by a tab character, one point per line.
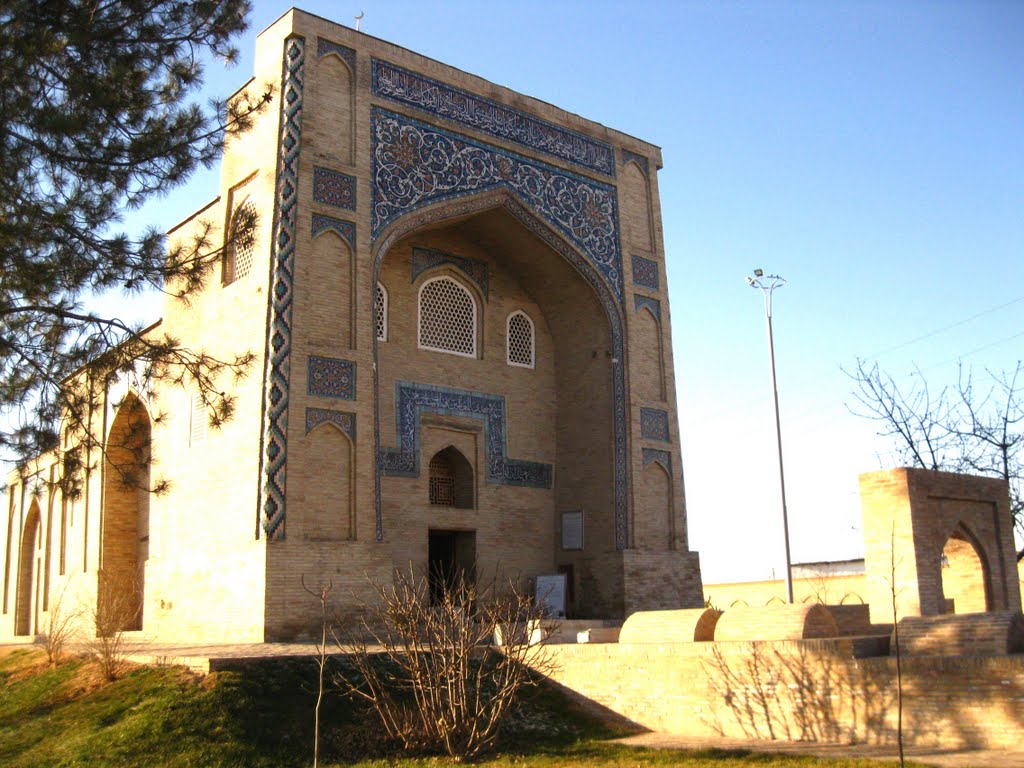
380	166
810	690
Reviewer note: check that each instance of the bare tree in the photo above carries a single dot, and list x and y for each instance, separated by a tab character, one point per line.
970	426
896	642
429	666
322	594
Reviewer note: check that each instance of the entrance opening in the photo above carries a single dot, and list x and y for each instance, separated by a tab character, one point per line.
963	576
451	560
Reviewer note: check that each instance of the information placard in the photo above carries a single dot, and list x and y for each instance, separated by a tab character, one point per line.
551	594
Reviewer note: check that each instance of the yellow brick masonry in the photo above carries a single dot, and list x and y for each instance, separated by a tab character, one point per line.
812	690
208	575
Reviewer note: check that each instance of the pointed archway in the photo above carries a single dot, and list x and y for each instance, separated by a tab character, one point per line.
124	539
29	568
498	216
965	577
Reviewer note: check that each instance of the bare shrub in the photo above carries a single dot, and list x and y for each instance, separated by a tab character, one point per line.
429	666
116	612
62	625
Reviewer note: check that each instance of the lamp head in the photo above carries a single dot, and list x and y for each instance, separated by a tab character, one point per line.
758	273
750	280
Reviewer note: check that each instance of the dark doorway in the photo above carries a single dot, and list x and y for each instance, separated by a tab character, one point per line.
451	560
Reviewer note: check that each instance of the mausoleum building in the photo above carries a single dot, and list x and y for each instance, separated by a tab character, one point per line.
456	299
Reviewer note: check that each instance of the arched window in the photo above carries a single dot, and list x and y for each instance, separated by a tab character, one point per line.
447	317
380	312
520	339
242	242
451	479
442	481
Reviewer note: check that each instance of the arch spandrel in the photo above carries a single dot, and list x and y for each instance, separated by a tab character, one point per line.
414	164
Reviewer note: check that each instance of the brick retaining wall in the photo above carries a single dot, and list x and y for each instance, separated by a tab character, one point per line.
808	690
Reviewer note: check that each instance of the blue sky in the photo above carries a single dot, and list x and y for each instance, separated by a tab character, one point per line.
872	153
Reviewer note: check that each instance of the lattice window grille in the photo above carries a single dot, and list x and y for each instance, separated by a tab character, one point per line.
442	482
447	318
380	312
242	246
520	340
197	421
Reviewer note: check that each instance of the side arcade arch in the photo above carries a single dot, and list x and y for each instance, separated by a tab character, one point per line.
124	533
29	574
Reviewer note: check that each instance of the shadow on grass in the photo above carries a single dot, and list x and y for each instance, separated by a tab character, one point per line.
261	715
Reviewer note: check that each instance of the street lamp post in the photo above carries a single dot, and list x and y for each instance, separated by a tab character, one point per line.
767	285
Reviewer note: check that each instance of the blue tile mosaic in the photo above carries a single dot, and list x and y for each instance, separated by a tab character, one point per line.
633	157
490	117
415	164
345	229
413	399
639	302
334	188
654	424
325	47
427	258
662	457
344	421
331	377
645	273
273	464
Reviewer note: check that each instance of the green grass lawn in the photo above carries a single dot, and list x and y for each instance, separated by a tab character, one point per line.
262	715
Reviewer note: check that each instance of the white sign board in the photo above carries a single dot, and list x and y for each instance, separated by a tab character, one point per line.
551	594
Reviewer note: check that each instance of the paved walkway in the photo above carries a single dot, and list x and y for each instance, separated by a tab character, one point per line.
967	758
206	658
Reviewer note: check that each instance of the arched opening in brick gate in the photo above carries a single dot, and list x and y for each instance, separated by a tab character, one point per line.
124	539
964	574
30	563
534	408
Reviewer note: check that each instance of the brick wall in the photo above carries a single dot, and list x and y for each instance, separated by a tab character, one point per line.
810	690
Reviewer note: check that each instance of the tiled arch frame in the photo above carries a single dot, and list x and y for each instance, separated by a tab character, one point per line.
504	198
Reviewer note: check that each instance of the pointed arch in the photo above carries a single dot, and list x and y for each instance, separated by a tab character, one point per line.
241	246
451	479
447	317
520	339
27	602
331	107
652	527
9	547
501	197
965	572
328	483
648	374
636	207
331	277
124	524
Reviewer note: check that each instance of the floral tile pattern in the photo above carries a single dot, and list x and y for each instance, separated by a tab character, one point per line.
490	117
